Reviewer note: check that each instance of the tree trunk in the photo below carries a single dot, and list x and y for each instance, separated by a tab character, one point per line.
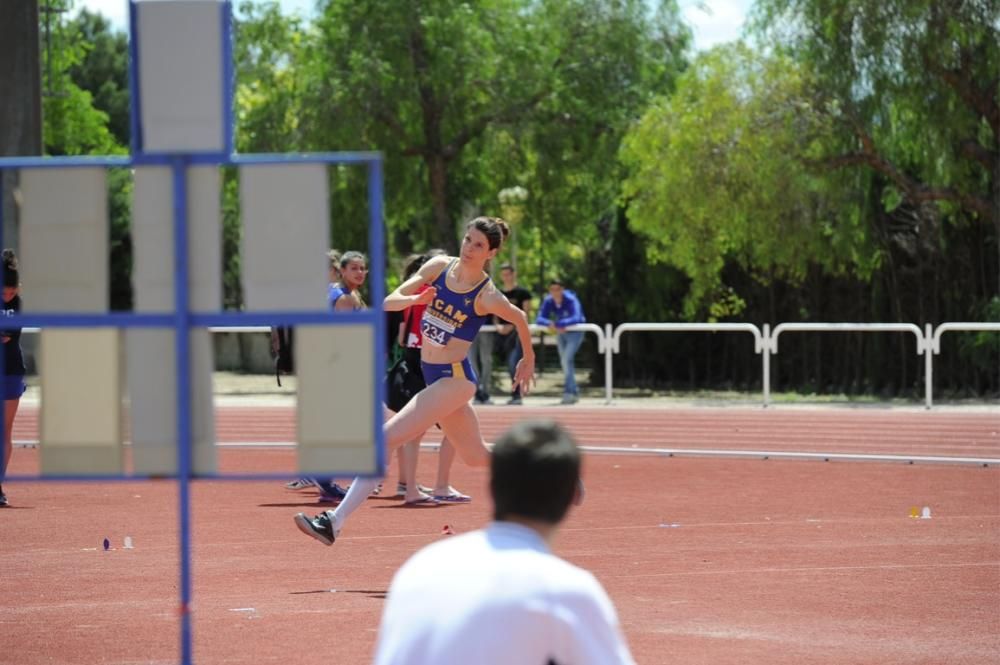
444	225
21	102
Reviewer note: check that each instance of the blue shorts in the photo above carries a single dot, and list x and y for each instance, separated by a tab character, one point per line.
462	370
13	386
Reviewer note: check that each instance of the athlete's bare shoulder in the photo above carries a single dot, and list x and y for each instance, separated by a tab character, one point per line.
490	298
433	267
490	290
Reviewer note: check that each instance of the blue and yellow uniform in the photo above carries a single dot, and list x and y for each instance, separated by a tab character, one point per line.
451	314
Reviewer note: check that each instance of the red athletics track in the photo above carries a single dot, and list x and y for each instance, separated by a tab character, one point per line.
835	430
772	561
949	432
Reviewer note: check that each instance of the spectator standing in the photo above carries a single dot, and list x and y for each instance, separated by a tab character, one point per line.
481	357
561	309
507	341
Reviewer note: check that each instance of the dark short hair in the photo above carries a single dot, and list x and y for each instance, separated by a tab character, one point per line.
413	263
555	281
534	472
10	274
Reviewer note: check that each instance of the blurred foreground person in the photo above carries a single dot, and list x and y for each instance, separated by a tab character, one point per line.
499	595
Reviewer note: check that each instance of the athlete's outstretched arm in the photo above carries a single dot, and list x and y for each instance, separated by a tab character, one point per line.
496	303
406	294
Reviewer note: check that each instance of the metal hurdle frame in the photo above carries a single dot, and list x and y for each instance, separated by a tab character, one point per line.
182	320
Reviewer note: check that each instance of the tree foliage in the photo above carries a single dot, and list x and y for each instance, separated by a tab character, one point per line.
72	123
467	99
716	178
422	81
102	70
842	168
914	87
615	58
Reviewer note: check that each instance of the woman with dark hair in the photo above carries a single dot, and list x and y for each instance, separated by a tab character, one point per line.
13	360
459	299
345	294
410	339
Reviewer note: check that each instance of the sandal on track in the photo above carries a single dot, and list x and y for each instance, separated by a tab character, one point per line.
454	496
422	501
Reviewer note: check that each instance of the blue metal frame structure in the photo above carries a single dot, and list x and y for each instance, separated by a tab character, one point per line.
183	319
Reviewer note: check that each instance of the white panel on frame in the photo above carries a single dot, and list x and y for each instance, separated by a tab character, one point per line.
152	389
80	419
286	234
153	239
335	427
64	240
181	81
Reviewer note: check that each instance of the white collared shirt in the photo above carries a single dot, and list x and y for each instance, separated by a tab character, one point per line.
497	595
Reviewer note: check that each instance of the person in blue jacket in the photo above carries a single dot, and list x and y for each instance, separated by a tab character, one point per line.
560	309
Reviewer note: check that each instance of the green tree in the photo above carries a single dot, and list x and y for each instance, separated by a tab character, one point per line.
72	125
717	179
912	86
464	101
102	69
615	57
435	82
272	73
423	85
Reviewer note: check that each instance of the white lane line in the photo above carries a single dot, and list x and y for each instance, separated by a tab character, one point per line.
810	569
690	452
723	453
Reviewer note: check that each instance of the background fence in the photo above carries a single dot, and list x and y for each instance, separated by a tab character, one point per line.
246	348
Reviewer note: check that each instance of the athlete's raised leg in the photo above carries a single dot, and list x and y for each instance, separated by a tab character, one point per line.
426	408
442	396
462	429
